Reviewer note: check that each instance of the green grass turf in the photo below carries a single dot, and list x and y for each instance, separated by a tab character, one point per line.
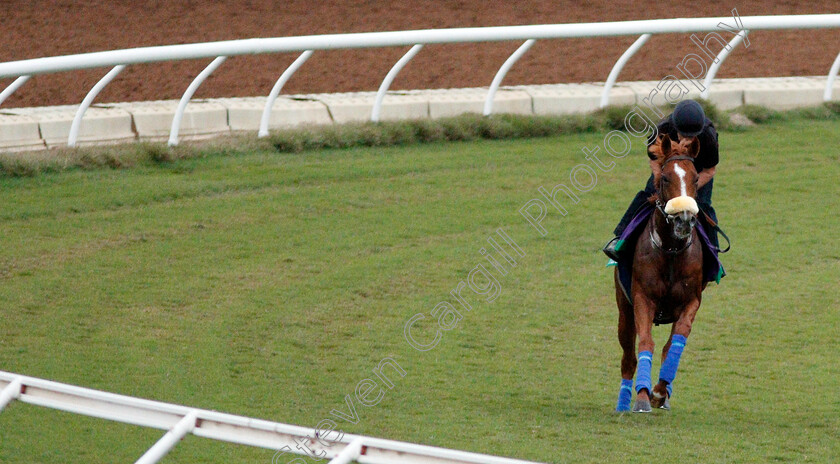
268	285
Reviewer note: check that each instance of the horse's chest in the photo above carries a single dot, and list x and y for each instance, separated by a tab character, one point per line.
674	293
678	293
669	283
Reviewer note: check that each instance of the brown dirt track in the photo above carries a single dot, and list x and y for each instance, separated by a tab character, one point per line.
37	28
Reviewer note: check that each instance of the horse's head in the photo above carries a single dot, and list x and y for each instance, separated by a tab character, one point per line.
676	182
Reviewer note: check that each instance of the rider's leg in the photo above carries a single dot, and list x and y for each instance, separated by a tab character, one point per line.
704	200
638	201
704	195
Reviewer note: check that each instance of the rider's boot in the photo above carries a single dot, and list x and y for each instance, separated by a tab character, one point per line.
609	249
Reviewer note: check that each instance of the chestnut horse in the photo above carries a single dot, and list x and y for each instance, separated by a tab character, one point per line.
667	276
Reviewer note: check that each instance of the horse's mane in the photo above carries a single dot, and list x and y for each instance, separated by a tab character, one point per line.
664	149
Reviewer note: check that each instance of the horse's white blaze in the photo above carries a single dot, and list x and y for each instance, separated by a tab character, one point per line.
682	202
681	172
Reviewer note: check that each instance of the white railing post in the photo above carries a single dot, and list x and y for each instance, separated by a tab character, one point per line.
619	65
275	91
179	113
10	393
169	440
832	74
386	83
349	453
497	80
12	87
713	68
80	113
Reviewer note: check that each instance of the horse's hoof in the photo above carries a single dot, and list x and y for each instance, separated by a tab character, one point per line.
666	405
642	406
659	401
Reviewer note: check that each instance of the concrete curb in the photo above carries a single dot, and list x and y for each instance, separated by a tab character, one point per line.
25	129
153	119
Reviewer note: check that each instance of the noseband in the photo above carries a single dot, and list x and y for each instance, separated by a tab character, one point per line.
669	217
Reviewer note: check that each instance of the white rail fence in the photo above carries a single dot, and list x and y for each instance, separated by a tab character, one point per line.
179	421
118	59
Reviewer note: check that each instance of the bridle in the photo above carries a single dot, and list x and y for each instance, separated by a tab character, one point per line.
669	217
671	251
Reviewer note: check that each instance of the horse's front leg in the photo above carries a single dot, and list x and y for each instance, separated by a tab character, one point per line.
671	355
643	314
662	390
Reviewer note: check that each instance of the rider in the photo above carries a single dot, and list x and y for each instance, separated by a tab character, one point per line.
687	120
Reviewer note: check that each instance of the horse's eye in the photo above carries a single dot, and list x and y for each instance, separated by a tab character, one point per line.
665	179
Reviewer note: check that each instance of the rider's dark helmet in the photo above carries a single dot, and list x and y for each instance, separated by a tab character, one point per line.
688	117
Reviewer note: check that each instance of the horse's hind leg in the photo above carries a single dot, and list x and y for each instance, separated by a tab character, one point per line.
627	340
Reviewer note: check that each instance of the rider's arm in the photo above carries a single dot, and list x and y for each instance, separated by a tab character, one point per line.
708	157
705	176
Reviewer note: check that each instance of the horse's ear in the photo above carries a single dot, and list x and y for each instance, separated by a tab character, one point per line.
665	145
655	149
693	147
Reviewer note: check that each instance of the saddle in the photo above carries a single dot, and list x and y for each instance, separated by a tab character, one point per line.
712	267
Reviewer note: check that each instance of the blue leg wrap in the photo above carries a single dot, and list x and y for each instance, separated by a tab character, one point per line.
643	371
625	393
669	368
